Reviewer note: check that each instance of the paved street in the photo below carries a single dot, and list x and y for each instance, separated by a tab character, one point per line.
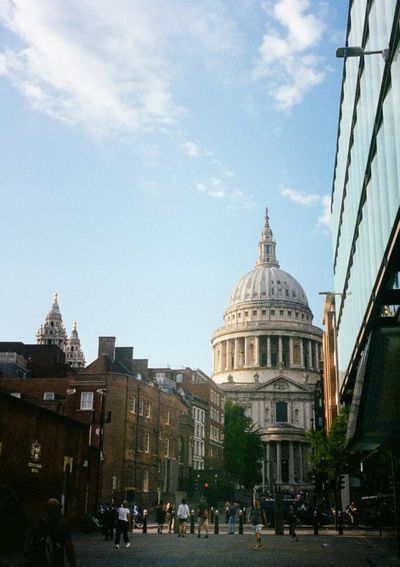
152	549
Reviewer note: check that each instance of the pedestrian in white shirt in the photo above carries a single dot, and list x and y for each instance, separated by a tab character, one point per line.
122	525
183	515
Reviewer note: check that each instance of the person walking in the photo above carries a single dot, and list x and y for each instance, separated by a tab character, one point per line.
203	519
183	515
257	522
292	521
50	539
122	525
160	516
232	516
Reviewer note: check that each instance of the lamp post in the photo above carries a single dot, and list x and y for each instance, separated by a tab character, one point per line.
102	392
345	52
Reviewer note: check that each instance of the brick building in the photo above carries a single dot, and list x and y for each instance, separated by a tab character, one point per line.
46	456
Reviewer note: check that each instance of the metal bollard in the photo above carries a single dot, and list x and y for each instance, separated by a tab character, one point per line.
192	522
145	521
315	522
212	514
240	521
216	525
340	522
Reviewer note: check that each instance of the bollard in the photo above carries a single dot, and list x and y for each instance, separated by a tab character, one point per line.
244	516
212	515
315	522
226	514
145	521
216	525
192	522
340	522
240	521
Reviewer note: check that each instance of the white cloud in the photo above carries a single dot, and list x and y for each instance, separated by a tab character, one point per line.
191	148
308	200
112	70
299	197
285	54
324	220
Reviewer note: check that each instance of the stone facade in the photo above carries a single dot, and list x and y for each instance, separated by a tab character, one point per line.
52	332
267	358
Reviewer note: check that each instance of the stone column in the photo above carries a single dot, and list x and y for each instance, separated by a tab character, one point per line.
268	459
310	346
291	352
269	352
279	350
236	354
300	462
291	463
246	351
257	350
228	354
278	462
301	353
316	356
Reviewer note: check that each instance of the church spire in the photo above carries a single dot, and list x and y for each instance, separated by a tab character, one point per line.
52	332
73	351
266	246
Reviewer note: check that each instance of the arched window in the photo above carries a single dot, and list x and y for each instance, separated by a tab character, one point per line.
281	412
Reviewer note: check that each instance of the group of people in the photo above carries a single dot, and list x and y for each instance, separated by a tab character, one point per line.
117	522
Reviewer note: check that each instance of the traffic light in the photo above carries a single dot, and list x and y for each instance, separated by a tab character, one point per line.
205	485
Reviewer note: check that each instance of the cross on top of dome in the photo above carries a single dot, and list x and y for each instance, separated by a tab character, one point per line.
266	246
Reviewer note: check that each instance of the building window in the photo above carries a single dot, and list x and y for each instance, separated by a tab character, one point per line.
146	443
263	312
166	448
254	312
296	415
48	396
281	312
133	405
145	481
272	312
281	412
289	313
148	409
141	407
168	418
86	400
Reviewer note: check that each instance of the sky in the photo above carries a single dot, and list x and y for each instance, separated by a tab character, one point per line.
141	142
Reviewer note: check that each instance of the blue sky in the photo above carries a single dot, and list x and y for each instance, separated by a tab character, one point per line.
140	146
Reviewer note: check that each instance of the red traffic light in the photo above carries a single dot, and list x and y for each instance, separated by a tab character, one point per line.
205	485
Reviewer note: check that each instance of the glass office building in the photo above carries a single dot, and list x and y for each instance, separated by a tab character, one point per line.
366	224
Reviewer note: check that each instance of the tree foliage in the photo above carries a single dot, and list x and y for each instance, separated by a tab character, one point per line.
329	454
242	447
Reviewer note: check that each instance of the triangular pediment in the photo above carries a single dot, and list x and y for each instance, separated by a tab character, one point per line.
281	384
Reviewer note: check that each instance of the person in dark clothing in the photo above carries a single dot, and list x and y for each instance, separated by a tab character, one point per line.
50	539
160	516
109	522
292	521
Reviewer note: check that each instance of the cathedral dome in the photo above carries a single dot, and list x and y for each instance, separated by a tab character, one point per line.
268	284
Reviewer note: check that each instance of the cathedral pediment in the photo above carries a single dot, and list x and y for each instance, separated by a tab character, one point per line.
281	384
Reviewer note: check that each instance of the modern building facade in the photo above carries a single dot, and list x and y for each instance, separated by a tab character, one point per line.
366	225
267	357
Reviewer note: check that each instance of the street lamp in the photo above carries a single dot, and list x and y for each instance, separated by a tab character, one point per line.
344	52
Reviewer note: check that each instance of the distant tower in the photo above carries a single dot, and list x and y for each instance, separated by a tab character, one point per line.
73	351
53	332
